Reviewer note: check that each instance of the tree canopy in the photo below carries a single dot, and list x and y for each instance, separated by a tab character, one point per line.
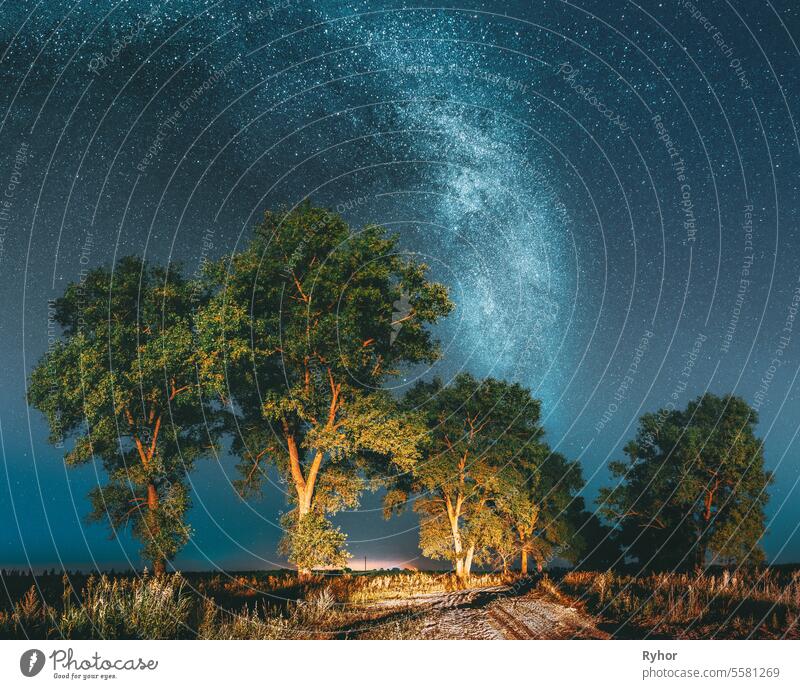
122	384
694	484
488	488
289	346
301	333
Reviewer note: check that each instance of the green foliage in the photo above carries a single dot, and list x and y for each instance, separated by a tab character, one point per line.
694	483
312	541
494	541
122	384
543	507
299	335
480	434
591	543
489	489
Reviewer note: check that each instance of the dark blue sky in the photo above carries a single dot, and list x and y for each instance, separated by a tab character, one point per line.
590	178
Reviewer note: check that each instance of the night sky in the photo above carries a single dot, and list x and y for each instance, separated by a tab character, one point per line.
610	189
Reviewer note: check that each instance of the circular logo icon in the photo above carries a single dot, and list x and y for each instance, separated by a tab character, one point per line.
31	662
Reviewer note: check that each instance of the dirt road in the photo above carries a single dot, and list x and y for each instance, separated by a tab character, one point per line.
497	613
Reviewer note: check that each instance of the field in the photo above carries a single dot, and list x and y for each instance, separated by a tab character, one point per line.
764	604
400	605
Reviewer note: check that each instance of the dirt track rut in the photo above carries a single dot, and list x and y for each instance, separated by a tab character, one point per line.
499	613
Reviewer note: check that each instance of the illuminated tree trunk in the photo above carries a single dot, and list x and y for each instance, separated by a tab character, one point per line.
159	566
304	484
303	508
468	562
302	488
524	565
459	551
454	514
146	454
708	503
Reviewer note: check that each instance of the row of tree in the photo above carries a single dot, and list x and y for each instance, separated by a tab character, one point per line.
487	487
286	348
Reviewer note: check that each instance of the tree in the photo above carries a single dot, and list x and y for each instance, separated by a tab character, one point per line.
312	541
477	430
494	540
595	543
122	382
694	484
304	327
540	508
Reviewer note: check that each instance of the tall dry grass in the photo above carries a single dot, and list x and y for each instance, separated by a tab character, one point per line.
244	606
148	608
764	604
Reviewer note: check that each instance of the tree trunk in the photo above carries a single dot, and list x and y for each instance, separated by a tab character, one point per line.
468	562
303	508
159	565
457	547
524	565
708	502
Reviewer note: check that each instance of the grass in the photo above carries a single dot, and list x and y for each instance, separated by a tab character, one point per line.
241	606
762	604
150	608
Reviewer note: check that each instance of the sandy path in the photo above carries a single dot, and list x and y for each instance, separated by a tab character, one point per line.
498	613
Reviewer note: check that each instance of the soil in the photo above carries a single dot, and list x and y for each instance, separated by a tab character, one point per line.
497	612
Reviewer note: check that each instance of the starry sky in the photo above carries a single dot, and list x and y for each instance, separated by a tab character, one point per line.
610	190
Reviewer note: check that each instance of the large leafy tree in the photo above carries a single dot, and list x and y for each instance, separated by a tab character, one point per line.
540	509
594	543
478	433
304	327
694	484
122	383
